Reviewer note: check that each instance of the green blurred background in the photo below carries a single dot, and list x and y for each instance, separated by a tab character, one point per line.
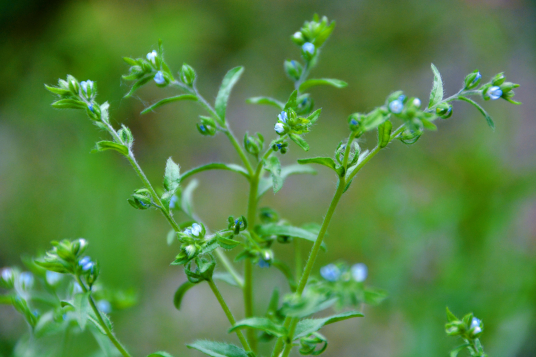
450	220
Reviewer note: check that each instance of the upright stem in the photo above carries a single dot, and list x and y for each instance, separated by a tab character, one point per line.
298	258
228	313
238	149
104	326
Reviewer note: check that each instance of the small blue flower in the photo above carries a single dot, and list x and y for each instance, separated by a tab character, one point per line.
475	325
279	146
52	277
396	106
359	272
173	201
196	229
495	93
203	128
104	306
151	57
353	122
7	274
237	221
308	47
298	36
159	78
283	116
188	231
279	128
477	78
84	261
90	106
330	272
26	280
86	85
293	63
263	263
402	98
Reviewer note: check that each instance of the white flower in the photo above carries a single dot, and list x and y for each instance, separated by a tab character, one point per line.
159	78
396	106
416	102
53	277
196	229
283	116
308	47
279	128
298	36
151	57
330	272
104	306
495	93
359	272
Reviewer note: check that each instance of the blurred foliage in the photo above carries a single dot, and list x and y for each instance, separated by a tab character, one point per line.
448	221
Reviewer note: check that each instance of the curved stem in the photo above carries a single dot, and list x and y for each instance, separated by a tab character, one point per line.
238	149
104	326
228	313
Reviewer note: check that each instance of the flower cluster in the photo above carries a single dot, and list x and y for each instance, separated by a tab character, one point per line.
469	328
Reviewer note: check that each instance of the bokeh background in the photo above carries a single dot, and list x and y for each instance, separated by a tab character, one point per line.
450	220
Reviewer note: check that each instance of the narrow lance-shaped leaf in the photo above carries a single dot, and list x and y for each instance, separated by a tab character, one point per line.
436	95
337	83
299	141
110	145
384	134
291	103
81	305
187	197
218	349
273	165
216	166
160	354
138	84
266	101
69	104
260	323
286	230
266	183
227	85
169	100
172	176
308	326
179	294
490	122
326	161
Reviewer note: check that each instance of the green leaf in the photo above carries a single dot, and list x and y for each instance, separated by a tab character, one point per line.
170	238
436	95
291	103
283	268
226	277
105	116
308	326
266	101
218	349
69	104
227	243
457	350
374	296
187	198
58	91
169	100
450	316
160	354
299	141
266	183
130	61
216	166
179	294
273	165
227	85
110	145
313	117
337	83
138	84
260	323
326	161
384	134
81	305
490	122
284	230
172	176
97	324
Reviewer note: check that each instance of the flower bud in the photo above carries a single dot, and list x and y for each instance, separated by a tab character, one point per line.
73	84
472	80
305	104
396	106
92	273
354	121
279	128
141	199
298	38
207	126
507	87
187	75
359	272
308	51
493	93
444	110
253	145
126	136
330	272
293	69
79	246
498	79
268	215
152	57
160	79
7	278
26	280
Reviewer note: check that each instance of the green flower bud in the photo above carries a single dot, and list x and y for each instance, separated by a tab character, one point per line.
93	274
409	137
308	51
207	126
73	84
141	199
305	104
298	38
79	246
187	75
472	80
498	79
254	145
507	87
7	278
268	215
126	136
444	110
354	121
293	69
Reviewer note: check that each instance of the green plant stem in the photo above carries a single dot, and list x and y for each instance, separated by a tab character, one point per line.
348	149
109	333
228	313
229	267
238	148
298	258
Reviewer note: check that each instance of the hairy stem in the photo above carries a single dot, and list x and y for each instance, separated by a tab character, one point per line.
104	326
228	313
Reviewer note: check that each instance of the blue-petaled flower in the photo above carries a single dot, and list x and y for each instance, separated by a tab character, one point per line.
308	47
87	86
196	229
283	116
104	306
353	122
396	106
26	280
159	78
7	274
151	57
475	326
86	263
330	272
188	231
359	272
477	78
279	128
90	107
494	93
52	277
263	263
279	146
173	201
416	102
